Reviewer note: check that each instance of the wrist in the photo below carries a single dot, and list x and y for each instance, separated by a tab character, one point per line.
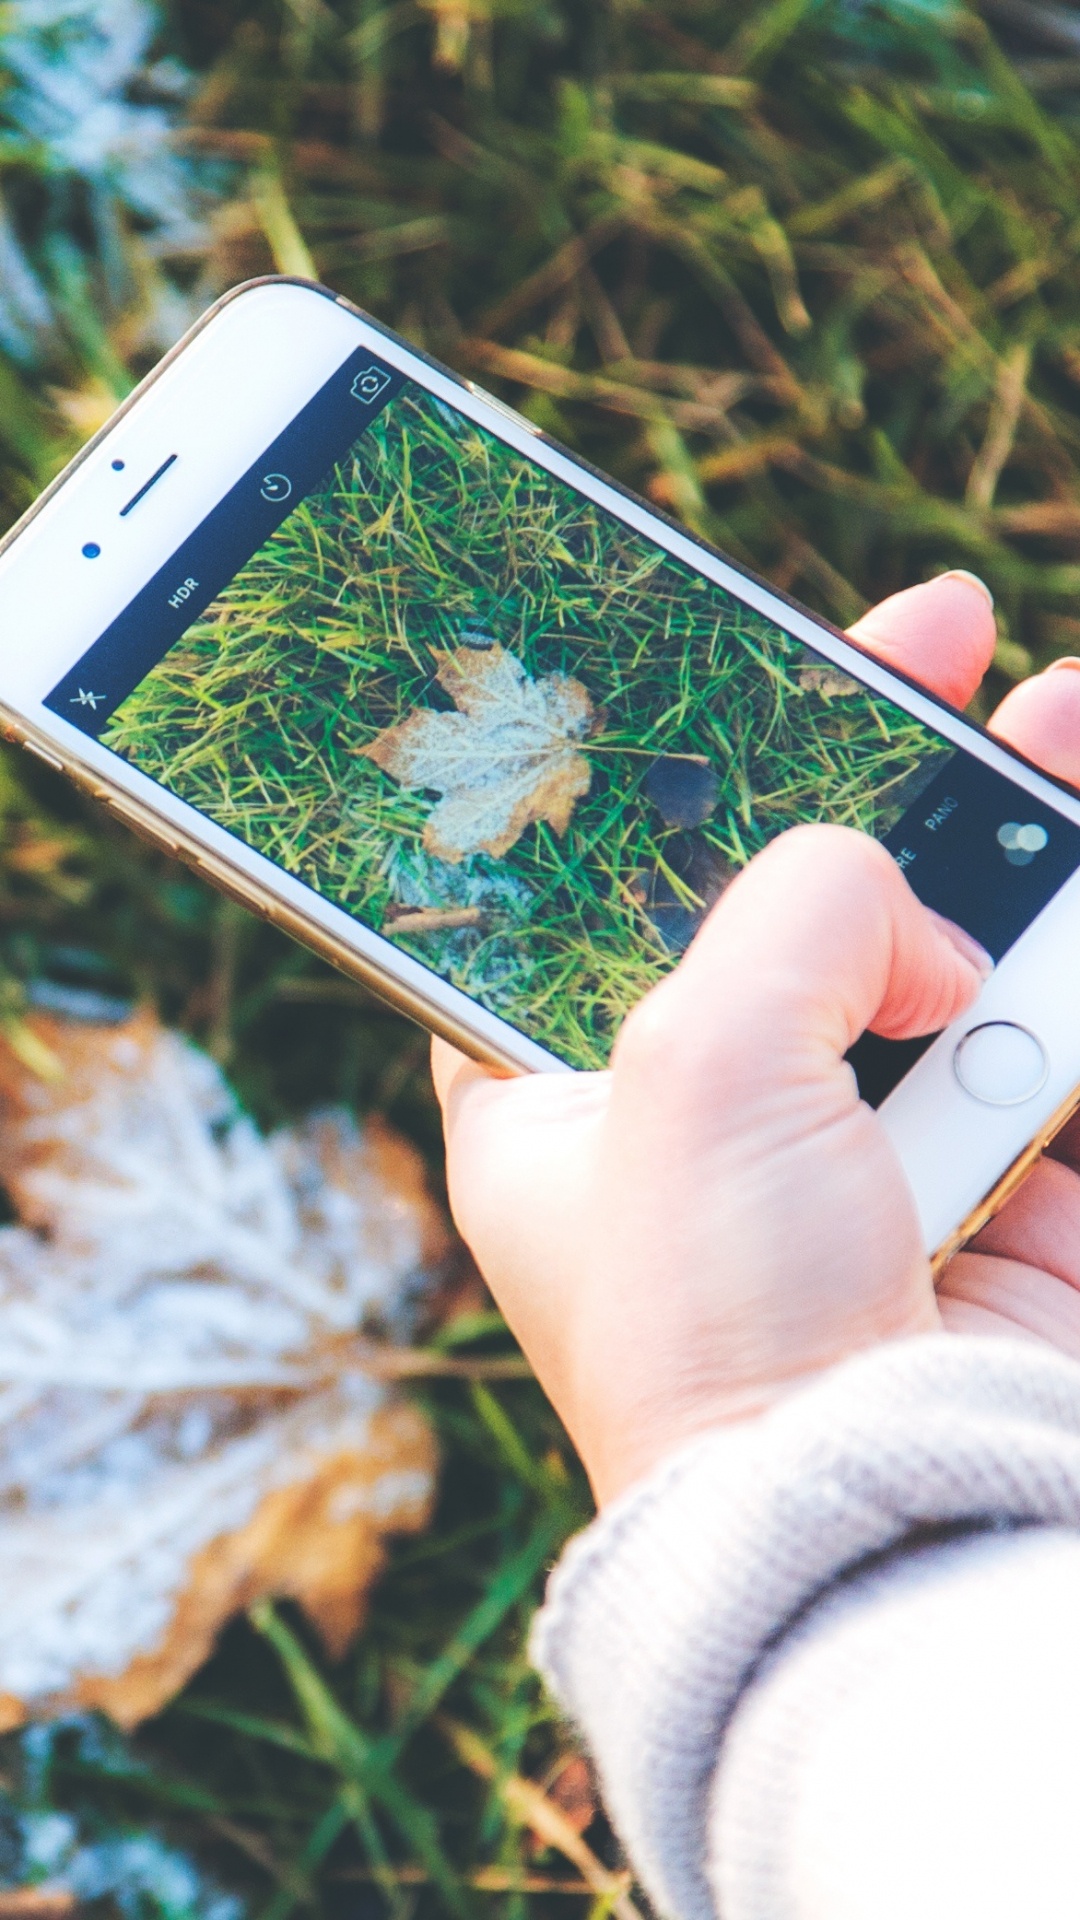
624	1449
618	1460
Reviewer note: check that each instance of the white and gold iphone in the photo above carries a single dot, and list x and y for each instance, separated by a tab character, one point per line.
379	658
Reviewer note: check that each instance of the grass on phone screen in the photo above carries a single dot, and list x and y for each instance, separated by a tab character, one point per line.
434	534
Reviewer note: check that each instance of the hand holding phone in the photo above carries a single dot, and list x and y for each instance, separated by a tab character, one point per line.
682	1240
410	680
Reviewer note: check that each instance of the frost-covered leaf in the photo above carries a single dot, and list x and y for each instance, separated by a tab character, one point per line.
73	67
185	1418
95	185
55	1861
508	757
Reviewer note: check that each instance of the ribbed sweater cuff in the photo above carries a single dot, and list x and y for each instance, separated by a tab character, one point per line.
658	1614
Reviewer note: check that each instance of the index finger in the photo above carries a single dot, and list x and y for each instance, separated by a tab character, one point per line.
942	634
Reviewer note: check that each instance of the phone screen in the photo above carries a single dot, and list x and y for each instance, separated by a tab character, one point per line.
480	713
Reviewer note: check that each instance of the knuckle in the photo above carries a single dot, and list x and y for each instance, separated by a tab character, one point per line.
847	844
843	863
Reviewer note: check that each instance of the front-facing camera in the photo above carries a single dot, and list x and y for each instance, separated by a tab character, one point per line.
91	550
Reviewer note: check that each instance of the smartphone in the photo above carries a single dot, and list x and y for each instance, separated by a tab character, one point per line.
477	724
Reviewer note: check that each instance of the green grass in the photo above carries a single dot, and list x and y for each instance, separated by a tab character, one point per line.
431	530
341	1790
621	216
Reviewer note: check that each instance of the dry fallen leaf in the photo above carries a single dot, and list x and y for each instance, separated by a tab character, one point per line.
571	1788
507	757
185	1420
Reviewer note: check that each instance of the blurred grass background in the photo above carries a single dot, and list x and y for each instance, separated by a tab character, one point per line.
807	273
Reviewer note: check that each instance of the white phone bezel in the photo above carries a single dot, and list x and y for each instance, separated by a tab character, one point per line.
216	401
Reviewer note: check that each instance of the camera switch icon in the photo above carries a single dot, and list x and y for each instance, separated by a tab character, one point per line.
369	383
1019	843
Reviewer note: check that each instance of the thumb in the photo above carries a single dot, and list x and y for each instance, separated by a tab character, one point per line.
818	939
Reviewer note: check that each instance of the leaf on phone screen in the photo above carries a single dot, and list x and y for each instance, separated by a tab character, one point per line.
683	787
186	1419
508	757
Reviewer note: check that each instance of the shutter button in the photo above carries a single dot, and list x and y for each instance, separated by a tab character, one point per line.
1001	1064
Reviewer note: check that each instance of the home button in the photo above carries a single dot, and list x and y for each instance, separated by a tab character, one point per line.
1001	1064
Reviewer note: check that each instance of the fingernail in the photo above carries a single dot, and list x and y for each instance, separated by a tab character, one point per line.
965	944
1067	660
961	573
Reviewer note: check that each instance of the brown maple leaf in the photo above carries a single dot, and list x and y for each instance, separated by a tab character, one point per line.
189	1419
507	757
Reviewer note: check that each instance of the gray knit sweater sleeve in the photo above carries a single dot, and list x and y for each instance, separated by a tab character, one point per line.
824	1659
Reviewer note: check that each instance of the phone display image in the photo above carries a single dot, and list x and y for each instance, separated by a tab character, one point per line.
461	701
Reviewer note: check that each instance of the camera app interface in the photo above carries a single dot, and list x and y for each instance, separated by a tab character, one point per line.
520	740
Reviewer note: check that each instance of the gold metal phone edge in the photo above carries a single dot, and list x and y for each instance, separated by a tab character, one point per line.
1003	1189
